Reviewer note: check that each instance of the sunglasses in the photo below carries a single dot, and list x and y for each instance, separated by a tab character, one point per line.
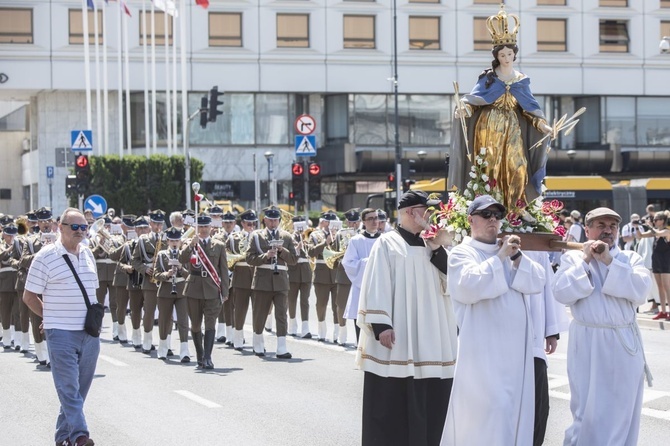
486	214
76	227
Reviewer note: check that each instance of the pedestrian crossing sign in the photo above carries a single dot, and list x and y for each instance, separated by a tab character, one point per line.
305	145
82	140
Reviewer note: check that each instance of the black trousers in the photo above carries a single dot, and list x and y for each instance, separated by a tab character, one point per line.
404	411
541	401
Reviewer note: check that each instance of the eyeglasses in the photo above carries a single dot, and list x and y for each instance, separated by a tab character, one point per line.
486	214
76	227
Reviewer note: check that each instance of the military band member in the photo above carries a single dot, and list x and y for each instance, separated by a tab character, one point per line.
171	274
21	334
10	253
300	283
106	268
122	255
216	214
353	221
177	220
225	326
32	246
270	284
204	295
243	274
143	262
384	225
325	286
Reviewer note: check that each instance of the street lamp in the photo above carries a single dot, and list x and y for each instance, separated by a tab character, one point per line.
422	156
572	154
272	198
664	46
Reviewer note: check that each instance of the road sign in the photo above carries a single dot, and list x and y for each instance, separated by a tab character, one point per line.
304	125
50	171
305	145
96	204
82	140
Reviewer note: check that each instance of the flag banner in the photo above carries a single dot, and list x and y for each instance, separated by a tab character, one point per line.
203	3
167	6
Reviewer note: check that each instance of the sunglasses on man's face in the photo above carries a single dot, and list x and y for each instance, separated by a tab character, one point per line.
76	227
486	214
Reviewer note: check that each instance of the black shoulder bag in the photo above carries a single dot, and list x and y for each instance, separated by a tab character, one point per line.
96	311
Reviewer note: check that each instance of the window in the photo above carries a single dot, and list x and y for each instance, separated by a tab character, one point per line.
653	122
619	120
665	3
359	31
272	122
225	29
77	27
482	38
551	2
614	3
613	36
551	35
424	1
5	194
424	33
665	29
293	30
159	28
16	25
486	2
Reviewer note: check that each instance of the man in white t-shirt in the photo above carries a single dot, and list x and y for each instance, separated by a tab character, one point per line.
576	230
74	353
628	232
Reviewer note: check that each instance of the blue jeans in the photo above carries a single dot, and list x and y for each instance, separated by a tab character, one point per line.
74	355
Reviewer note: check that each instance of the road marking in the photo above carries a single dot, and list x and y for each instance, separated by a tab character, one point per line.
200	400
113	361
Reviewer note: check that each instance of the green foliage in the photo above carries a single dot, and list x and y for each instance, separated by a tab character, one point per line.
136	184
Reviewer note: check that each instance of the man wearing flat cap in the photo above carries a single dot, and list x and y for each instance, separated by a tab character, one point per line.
603	286
325	286
407	346
144	255
489	282
271	250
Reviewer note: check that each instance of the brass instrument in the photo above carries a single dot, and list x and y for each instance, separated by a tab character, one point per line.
233	258
188	234
99	234
330	256
286	222
22	225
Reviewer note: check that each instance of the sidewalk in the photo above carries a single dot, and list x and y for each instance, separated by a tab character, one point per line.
645	321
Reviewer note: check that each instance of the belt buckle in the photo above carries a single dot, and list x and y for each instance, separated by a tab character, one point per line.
203	273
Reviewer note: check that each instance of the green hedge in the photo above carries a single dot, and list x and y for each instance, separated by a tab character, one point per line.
137	184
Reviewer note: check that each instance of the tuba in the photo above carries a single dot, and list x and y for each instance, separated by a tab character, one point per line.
98	233
22	225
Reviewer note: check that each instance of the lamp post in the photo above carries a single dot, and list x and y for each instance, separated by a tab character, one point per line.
272	197
664	45
572	154
422	156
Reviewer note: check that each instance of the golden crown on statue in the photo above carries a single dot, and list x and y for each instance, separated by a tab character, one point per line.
499	27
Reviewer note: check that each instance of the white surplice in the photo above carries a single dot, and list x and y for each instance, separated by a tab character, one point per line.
354	262
493	397
606	364
402	289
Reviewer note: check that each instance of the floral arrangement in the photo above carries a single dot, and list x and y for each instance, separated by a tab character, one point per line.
536	216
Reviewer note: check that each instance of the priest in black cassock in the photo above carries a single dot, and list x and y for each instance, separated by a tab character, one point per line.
408	341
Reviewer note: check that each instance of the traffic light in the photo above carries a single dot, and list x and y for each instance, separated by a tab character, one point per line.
71	185
391	180
214	104
82	173
406	183
314	182
297	185
203	112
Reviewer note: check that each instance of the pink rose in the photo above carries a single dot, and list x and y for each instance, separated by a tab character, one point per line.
560	230
556	205
520	204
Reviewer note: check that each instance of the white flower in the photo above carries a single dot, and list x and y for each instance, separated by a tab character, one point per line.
473	175
485	177
487	188
473	168
486	163
457	237
480	161
482	151
464	232
475	186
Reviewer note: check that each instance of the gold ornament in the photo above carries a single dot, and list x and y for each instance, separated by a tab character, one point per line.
498	26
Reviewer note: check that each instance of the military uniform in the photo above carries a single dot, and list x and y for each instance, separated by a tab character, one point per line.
300	283
325	286
270	288
122	255
9	301
204	297
22	323
226	316
106	268
171	282
143	260
343	283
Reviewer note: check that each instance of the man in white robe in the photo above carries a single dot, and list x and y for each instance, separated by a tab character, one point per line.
549	321
606	366
493	398
408	344
356	258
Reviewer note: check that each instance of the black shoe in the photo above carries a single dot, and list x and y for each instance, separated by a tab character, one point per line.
43	363
269	330
23	350
208	364
137	347
185	360
322	339
7	347
260	355
221	339
199	365
148	352
17	348
307	336
239	349
115	338
286	355
162	358
229	343
123	342
170	353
